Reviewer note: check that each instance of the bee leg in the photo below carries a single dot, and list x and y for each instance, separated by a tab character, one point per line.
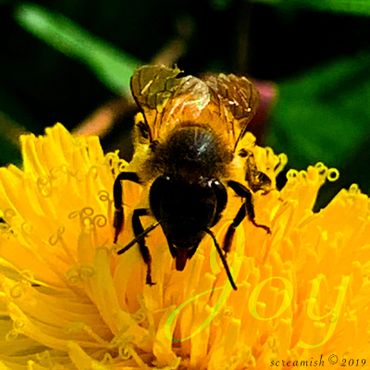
144	250
232	227
257	180
117	197
247	208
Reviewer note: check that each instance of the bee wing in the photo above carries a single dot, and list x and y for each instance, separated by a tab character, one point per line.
166	99
225	102
237	99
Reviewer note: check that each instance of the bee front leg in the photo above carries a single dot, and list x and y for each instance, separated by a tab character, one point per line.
117	198
257	180
247	208
144	250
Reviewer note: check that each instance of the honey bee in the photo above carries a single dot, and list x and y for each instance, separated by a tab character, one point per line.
187	136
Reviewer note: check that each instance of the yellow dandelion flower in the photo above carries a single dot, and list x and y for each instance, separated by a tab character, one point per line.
68	301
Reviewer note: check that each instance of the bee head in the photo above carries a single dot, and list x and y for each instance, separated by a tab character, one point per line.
185	211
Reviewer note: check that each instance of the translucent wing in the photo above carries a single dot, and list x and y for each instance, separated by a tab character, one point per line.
166	100
224	102
237	99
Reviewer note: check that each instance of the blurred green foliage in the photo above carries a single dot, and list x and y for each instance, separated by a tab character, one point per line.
323	114
112	66
318	53
360	7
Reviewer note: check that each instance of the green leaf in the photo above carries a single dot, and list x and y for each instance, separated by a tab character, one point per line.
324	114
113	67
359	7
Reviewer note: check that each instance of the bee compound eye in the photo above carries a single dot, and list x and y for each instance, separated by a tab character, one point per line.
158	190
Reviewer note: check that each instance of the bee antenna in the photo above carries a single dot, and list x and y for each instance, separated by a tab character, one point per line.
138	238
223	259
